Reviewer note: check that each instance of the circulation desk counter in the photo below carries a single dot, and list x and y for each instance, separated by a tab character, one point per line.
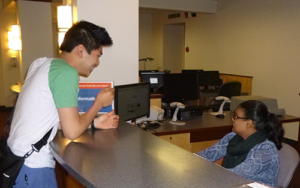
130	157
208	127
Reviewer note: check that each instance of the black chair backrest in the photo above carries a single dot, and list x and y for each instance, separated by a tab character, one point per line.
230	89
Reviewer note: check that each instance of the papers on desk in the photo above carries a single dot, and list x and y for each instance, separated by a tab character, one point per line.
254	185
257	185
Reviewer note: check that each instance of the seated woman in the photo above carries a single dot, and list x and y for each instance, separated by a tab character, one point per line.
251	149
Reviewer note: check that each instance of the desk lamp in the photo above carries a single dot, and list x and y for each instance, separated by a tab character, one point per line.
220	112
178	106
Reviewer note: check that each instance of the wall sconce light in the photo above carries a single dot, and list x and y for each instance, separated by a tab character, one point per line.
14	38
64	21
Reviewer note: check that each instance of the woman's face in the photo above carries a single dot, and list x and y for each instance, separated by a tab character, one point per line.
240	122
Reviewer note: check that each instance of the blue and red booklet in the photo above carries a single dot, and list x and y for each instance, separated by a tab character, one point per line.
87	94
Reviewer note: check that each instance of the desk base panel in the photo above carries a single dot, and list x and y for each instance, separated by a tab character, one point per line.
211	134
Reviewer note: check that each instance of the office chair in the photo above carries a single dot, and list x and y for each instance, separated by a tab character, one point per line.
228	89
289	159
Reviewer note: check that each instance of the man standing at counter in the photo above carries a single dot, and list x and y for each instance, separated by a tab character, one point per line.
49	100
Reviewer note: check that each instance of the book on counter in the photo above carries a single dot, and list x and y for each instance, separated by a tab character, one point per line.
88	91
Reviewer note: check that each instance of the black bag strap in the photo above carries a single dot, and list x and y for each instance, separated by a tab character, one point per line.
35	147
9	120
7	127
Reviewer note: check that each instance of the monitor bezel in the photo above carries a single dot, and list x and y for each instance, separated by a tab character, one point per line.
191	71
209	78
168	97
144	71
117	102
159	84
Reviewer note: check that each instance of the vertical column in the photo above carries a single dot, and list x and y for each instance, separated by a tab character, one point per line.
120	62
35	19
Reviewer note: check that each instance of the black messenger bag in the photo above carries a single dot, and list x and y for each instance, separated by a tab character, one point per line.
10	164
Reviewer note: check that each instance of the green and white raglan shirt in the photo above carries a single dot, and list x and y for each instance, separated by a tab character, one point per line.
50	84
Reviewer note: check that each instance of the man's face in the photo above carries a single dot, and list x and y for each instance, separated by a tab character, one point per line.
89	62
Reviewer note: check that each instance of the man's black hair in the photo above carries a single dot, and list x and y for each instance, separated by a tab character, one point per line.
88	34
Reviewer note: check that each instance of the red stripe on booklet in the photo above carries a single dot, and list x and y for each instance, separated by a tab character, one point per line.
94	85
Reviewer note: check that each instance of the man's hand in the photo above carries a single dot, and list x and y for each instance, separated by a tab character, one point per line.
74	125
107	121
104	97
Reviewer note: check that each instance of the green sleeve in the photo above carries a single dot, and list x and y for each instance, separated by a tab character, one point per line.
63	83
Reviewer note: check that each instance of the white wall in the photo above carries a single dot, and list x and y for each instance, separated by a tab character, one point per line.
120	62
35	19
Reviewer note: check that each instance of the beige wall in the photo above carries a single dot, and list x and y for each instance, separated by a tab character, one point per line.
146	42
182	5
259	39
5	3
173	48
37	41
159	20
118	64
8	75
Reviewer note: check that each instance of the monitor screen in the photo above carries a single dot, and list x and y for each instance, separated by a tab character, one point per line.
155	78
132	101
191	70
180	87
209	78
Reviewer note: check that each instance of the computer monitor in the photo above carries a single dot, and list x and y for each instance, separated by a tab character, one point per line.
179	87
155	79
132	101
141	71
191	70
209	78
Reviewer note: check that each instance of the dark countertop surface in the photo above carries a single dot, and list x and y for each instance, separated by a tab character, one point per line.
131	157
